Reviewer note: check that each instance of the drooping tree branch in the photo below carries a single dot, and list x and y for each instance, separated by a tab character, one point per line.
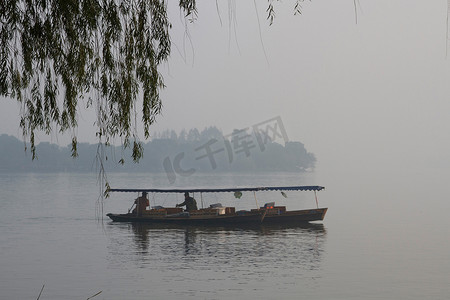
55	53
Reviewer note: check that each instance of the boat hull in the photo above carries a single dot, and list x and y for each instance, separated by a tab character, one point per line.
306	215
298	216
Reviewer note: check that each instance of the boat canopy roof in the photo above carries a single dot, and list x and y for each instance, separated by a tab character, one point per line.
224	190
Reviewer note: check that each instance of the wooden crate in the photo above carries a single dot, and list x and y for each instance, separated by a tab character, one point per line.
173	210
159	212
281	208
230	210
204	212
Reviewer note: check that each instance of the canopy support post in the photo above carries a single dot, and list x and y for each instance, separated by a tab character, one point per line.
317	202
201	199
136	202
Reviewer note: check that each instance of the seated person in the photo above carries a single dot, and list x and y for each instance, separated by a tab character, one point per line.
190	202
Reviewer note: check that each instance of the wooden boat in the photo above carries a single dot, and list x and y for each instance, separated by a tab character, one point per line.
217	214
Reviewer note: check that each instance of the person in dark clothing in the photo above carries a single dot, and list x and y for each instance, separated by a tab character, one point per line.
190	202
141	204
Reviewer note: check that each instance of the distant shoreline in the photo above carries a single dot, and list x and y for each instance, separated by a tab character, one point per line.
176	156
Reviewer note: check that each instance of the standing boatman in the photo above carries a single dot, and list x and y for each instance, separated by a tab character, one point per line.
141	204
190	202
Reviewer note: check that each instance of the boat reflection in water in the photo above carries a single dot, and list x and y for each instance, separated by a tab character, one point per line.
172	244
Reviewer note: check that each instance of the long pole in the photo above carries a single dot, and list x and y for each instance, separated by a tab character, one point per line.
317	202
254	194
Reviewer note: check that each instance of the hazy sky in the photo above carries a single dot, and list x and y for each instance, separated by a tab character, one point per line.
376	91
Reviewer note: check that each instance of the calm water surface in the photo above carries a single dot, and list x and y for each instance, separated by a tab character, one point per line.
379	240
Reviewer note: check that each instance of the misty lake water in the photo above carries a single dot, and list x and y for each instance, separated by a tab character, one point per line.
381	239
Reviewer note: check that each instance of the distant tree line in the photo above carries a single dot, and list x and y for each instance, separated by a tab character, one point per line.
187	151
